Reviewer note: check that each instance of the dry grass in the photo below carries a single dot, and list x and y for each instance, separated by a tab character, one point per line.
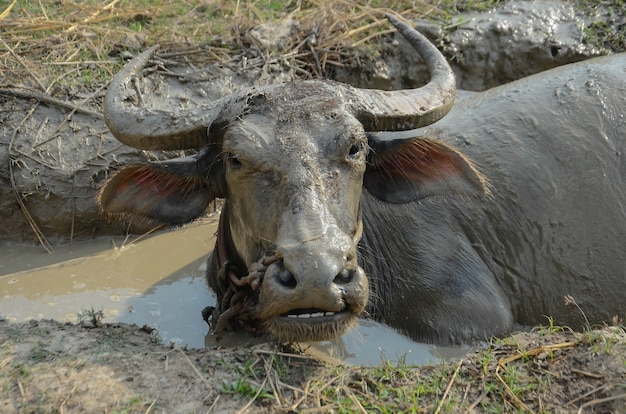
67	43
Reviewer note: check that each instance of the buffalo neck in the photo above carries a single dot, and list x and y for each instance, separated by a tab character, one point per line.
225	252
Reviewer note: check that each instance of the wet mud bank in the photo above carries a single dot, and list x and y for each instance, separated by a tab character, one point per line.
55	153
486	49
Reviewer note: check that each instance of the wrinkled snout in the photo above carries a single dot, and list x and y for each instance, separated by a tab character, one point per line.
324	288
314	293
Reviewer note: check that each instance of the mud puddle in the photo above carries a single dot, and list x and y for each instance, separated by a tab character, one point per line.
159	281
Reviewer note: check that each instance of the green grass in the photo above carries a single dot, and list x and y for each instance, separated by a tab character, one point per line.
244	388
601	32
132	405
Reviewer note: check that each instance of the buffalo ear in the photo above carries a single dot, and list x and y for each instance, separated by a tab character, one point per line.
172	192
409	168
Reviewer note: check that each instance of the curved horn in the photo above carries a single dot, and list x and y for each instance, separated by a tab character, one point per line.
155	128
411	108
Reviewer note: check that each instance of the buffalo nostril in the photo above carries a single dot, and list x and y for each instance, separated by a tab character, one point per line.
345	276
286	279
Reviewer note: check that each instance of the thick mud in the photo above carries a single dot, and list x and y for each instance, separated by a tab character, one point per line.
57	158
487	49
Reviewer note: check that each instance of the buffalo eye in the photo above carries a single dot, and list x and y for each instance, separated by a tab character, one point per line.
233	161
356	149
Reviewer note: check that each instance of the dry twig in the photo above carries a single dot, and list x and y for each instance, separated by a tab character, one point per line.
445	393
69	116
24	65
601	401
49	100
18	196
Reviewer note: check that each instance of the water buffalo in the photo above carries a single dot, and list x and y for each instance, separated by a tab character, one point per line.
476	217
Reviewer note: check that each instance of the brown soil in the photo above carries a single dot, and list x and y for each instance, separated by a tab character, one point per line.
50	367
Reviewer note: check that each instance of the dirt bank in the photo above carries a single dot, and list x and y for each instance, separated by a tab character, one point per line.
49	367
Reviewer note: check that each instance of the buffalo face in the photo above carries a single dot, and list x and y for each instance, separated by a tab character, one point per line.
290	161
293	172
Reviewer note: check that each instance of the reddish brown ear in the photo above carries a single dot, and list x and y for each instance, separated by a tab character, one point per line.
406	170
174	195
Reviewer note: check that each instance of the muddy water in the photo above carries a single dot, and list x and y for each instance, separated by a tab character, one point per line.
159	281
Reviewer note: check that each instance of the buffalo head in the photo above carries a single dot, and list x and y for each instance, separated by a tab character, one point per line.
290	161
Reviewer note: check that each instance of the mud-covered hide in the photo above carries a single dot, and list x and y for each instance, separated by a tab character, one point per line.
289	159
552	147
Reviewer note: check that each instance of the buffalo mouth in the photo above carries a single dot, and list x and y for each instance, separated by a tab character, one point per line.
310	314
267	298
315	307
304	325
